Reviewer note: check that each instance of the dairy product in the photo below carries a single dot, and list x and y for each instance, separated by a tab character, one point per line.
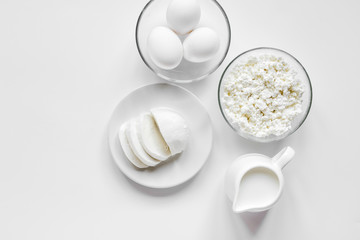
258	187
151	138
173	128
133	138
127	149
262	96
154	137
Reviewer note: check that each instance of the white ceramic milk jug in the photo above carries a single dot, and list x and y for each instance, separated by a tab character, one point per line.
254	182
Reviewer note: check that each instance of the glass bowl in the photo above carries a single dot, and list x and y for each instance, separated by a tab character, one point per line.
212	15
301	75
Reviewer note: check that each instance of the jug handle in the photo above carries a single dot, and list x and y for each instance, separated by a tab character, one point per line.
283	157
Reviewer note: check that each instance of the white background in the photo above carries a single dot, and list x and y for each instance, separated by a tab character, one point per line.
64	65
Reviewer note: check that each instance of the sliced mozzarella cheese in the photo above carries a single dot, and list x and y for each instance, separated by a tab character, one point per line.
132	136
173	128
151	138
127	149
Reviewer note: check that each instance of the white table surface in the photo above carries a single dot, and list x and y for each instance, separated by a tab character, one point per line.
64	65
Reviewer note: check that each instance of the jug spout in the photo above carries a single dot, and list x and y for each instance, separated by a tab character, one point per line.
238	207
283	157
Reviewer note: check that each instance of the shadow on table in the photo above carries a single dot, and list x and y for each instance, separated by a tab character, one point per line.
159	192
253	220
247	220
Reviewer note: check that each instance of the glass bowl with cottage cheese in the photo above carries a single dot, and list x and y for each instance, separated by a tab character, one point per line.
265	94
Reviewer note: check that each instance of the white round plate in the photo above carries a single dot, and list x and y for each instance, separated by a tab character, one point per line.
177	171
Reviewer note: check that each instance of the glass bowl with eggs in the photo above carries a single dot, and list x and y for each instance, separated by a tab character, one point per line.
265	94
183	40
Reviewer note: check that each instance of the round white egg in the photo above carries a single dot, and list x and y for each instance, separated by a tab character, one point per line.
183	15
201	45
165	48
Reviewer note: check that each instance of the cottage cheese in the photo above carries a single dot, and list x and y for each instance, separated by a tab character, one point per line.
262	96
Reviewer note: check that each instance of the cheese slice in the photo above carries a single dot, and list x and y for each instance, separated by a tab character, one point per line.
133	138
151	138
127	149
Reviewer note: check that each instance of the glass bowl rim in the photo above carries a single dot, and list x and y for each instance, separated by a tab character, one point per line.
286	134
188	80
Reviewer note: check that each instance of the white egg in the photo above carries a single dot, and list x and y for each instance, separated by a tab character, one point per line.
201	45
165	48
183	15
